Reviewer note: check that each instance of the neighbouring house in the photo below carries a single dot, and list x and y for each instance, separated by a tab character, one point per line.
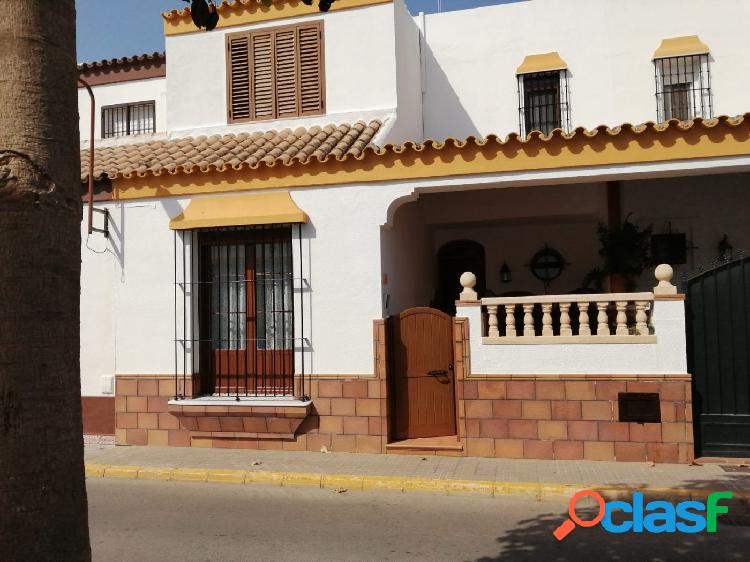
366	231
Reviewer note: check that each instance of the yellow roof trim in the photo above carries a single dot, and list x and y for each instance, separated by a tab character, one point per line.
628	144
681	47
243	12
542	63
239	210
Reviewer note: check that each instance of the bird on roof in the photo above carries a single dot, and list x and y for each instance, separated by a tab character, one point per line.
204	14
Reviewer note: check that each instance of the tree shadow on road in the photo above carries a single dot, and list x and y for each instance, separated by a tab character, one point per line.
532	539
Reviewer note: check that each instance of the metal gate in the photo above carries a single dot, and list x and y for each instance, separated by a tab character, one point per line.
718	319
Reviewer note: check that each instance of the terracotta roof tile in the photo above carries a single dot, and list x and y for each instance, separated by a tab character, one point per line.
158	57
324	143
217	152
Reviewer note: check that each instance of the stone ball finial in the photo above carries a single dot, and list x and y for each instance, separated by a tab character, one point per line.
468	281
664	274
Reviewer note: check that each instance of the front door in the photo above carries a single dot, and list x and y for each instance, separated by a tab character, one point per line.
718	317
423	382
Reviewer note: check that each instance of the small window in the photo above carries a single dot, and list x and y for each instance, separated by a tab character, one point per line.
683	88
275	73
543	102
128	119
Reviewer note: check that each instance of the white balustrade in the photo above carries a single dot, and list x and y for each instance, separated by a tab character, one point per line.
546	319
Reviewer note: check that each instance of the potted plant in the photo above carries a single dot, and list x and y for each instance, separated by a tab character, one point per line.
624	250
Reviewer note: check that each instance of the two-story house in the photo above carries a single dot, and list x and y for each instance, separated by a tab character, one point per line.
366	231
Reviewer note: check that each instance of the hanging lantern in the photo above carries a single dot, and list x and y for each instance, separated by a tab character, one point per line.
505	275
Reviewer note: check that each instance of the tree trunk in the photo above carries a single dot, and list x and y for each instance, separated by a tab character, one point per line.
43	513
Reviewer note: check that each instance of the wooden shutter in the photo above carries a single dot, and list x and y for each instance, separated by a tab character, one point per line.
261	53
239	78
311	69
286	73
276	73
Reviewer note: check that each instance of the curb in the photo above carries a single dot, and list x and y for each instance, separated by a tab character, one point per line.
537	491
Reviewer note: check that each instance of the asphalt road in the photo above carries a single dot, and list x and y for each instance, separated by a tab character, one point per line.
155	521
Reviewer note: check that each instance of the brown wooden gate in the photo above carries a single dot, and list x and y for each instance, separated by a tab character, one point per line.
424	402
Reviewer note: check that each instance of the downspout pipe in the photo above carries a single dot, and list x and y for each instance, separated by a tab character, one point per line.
92	130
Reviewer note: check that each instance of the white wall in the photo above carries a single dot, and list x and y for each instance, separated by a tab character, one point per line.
98	319
151	89
408	122
667	356
360	72
127	298
472	57
407	261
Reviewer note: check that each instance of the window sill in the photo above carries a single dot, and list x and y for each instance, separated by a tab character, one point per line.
244	401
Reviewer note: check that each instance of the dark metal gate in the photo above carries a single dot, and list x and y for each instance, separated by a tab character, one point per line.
718	319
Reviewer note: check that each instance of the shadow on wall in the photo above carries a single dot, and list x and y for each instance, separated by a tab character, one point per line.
532	539
443	113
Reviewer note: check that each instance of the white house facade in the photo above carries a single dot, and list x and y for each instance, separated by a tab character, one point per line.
366	231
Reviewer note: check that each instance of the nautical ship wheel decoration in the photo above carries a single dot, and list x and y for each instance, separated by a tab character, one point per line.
547	265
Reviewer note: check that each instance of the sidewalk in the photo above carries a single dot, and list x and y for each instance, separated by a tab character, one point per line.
538	478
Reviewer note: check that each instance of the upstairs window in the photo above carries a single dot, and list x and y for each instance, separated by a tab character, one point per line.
543	101
128	119
275	73
683	79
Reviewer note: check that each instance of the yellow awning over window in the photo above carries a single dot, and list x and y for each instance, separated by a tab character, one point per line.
542	63
239	210
681	47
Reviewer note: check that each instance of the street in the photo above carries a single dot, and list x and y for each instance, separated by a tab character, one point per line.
156	521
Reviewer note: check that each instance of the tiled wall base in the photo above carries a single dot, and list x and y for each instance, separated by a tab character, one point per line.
98	414
575	419
530	417
345	416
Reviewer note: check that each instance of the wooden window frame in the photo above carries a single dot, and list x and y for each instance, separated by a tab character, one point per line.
227	370
262	31
128	105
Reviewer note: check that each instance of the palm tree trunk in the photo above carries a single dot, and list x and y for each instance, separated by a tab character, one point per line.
42	488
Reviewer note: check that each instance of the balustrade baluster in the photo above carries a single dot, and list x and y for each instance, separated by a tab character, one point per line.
493	331
622	318
547	320
641	318
528	320
602	323
565	329
583	319
510	320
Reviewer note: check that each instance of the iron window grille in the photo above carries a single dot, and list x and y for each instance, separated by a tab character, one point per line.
128	119
543	102
683	88
239	312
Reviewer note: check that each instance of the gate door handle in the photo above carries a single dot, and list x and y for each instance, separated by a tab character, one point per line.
437	373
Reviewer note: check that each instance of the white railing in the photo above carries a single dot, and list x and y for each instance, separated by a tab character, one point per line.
570	319
576	334
605	318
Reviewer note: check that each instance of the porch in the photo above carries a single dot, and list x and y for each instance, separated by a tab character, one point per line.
557	353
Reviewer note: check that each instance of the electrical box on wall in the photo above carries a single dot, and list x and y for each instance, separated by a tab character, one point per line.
107	384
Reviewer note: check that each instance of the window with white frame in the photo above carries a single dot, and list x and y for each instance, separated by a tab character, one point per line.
683	87
543	102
